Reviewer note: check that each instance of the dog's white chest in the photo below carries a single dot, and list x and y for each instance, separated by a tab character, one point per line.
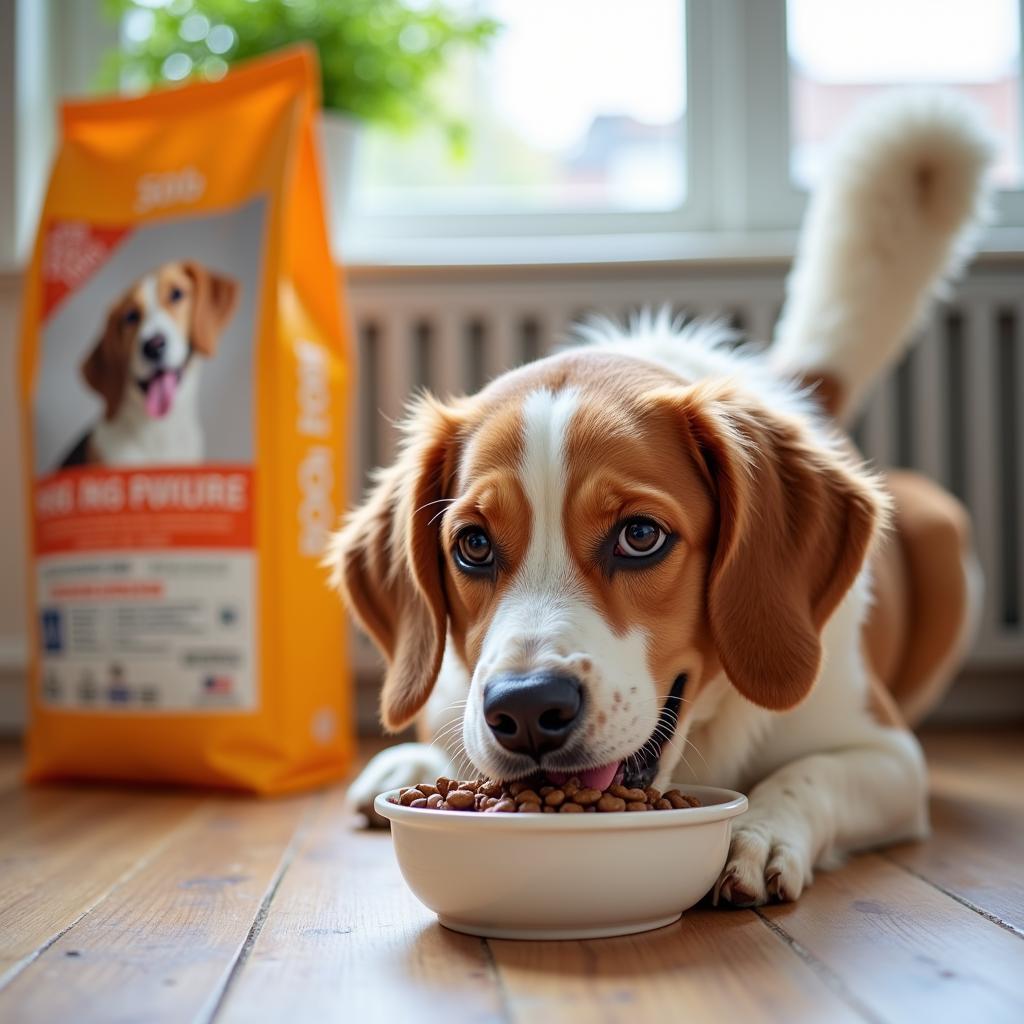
133	438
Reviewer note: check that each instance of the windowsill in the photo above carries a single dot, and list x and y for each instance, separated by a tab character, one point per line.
514	251
368	256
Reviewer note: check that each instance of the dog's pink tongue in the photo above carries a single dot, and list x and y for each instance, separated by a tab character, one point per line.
160	393
592	778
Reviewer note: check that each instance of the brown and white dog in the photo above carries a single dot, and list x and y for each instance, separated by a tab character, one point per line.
656	557
143	367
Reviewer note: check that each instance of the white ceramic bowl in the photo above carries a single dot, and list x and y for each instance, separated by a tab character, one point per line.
561	876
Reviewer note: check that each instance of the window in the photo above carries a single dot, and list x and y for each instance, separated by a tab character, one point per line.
843	51
578	105
597	129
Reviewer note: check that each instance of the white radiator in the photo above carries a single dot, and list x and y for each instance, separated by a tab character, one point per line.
952	410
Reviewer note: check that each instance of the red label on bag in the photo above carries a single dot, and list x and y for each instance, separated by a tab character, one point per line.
97	509
72	252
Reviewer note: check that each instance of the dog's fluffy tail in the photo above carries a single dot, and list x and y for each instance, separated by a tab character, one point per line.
894	219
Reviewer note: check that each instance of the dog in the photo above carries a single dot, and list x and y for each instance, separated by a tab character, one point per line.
143	368
656	557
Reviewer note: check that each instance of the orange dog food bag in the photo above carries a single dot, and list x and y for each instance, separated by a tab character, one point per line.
184	378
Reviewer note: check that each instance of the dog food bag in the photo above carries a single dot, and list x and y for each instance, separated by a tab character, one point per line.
184	378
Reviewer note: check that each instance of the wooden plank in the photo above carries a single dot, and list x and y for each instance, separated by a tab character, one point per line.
162	944
715	965
345	940
11	764
62	851
975	853
988	758
907	949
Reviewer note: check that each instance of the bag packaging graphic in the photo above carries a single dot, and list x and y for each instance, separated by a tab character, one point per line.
184	379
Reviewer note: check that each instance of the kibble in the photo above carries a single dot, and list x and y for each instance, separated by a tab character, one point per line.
460	799
488	797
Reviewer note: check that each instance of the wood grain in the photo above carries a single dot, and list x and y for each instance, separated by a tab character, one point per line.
162	943
905	948
976	851
715	965
62	851
345	940
11	760
161	906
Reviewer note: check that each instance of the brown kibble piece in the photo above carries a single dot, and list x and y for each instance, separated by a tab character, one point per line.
611	803
555	798
422	802
653	795
408	795
443	785
527	796
435	800
530	807
461	799
493	789
505	805
586	797
637	805
516	788
571	787
427	789
679	800
662	805
570	808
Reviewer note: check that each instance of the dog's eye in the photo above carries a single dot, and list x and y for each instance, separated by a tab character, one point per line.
131	317
473	549
176	294
639	538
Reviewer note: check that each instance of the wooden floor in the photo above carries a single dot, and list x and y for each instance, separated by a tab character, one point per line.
129	906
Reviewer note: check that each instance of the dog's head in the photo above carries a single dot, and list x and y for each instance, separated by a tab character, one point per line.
152	332
601	540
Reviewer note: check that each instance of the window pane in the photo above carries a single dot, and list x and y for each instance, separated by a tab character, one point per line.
842	51
576	105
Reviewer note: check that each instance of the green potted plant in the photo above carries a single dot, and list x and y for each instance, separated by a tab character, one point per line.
378	58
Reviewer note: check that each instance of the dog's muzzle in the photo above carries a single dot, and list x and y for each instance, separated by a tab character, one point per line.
532	714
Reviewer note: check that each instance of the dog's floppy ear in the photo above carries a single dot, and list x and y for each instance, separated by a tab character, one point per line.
105	369
213	303
796	520
386	561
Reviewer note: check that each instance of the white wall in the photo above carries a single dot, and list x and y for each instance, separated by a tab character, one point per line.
13	622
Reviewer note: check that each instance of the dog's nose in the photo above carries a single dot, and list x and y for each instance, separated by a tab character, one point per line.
153	347
532	714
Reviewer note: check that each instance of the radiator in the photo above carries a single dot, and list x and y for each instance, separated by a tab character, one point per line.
950	410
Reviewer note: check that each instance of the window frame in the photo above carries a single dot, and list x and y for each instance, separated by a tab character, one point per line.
49	49
740	199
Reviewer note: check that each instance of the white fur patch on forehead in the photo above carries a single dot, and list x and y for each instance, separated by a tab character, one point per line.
148	291
546	418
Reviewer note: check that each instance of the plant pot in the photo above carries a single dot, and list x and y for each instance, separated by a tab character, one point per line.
339	134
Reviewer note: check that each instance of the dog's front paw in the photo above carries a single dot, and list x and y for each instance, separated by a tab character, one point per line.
762	867
403	765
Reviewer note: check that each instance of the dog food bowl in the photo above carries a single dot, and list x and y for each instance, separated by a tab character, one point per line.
561	876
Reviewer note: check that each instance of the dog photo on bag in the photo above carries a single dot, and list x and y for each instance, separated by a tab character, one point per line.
169	334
